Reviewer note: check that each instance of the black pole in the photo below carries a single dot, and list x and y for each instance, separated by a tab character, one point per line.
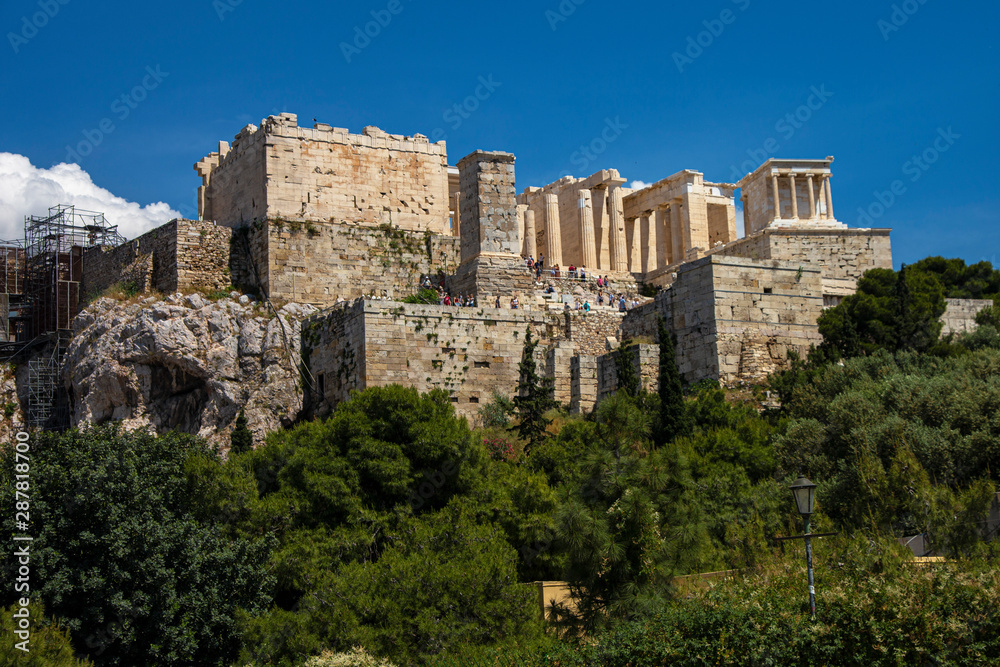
809	567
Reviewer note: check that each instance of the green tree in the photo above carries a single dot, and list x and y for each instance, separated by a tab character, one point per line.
975	281
534	396
396	533
241	439
119	555
890	311
989	316
48	645
674	419
626	362
630	524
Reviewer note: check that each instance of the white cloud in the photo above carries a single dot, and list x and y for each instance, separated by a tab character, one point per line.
29	190
639	185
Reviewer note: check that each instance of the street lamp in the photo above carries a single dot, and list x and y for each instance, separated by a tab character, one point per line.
804	492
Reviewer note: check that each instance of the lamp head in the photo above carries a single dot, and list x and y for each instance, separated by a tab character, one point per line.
804	492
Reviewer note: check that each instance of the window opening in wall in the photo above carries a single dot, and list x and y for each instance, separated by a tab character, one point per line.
768	290
474	399
482	364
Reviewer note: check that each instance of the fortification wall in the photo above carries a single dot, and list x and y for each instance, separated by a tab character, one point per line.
319	263
841	254
960	314
726	310
468	352
590	331
645	359
237	191
281	170
181	255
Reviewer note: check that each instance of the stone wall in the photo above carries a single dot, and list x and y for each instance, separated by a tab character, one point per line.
182	255
327	174
235	186
726	310
960	314
488	205
590	331
645	358
319	263
843	255
469	352
583	384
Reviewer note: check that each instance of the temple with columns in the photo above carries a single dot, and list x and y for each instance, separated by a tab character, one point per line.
354	223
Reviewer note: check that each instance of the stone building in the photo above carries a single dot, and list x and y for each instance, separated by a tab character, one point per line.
350	223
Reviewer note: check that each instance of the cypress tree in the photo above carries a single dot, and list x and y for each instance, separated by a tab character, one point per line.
534	396
241	439
628	377
674	419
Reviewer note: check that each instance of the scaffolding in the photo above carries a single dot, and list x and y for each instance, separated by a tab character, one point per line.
14	317
53	272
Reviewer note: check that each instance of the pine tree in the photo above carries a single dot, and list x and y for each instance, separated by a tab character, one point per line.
674	418
534	395
628	377
241	439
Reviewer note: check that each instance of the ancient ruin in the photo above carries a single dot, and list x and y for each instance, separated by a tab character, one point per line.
350	224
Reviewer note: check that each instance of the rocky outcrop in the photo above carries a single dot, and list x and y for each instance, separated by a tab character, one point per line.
186	363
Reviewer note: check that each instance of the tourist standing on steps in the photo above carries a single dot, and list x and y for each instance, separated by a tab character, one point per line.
513	303
498	301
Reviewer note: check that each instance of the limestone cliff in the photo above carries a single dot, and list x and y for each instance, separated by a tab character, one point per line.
186	363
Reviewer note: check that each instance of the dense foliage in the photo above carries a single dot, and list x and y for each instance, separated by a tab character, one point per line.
119	555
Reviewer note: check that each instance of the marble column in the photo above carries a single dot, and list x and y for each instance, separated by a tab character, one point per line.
652	242
587	240
529	234
522	209
747	228
553	233
616	211
829	199
635	246
662	217
795	197
676	233
777	197
812	196
456	219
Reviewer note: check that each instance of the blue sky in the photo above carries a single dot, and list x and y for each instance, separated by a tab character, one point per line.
895	78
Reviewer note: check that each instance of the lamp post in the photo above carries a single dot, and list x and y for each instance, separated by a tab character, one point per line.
804	492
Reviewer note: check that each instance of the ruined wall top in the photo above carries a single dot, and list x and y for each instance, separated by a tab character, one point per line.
326	173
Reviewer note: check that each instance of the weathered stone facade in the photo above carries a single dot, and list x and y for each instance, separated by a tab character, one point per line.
645	359
324	217
182	255
326	174
715	301
960	315
320	263
466	351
